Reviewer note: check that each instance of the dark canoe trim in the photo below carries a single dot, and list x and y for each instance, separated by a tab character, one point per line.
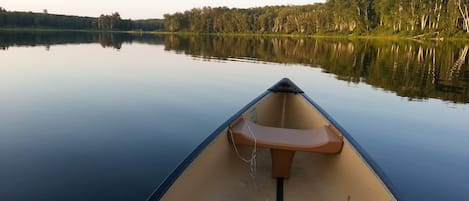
168	182
279	189
286	86
360	150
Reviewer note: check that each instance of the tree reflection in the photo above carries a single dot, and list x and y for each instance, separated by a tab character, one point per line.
413	69
47	39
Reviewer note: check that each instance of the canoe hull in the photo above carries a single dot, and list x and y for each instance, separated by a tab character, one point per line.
215	171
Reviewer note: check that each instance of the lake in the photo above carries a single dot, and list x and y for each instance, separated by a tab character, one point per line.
87	116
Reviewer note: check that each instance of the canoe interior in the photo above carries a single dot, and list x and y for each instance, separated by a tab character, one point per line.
218	173
299	114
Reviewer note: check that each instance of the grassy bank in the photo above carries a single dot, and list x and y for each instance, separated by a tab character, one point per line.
385	36
319	35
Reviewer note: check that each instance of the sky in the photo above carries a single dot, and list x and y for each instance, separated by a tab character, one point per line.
134	9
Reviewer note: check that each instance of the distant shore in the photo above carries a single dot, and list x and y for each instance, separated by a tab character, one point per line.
43	29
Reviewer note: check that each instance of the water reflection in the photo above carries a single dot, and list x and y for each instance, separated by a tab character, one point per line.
417	70
95	124
413	69
112	40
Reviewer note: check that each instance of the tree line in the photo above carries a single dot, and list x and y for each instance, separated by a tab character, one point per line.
104	22
344	16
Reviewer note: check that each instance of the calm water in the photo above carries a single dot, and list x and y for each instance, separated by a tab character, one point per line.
107	117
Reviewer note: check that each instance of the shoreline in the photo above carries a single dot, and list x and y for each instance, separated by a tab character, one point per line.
325	36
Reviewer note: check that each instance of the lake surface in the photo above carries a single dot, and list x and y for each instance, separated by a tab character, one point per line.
108	117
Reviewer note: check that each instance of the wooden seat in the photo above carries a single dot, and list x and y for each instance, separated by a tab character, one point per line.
283	142
321	140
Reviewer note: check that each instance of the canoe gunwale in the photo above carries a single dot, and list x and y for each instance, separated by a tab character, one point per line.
372	163
158	193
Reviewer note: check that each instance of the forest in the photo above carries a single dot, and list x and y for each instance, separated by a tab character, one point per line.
15	19
433	18
361	17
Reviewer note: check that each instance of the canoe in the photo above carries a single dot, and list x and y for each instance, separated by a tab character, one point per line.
281	146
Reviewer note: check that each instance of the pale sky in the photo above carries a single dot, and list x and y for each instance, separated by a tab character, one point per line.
135	9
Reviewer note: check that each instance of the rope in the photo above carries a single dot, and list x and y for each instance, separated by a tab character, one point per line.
252	161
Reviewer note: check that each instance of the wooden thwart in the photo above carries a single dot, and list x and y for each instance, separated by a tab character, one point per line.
283	142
